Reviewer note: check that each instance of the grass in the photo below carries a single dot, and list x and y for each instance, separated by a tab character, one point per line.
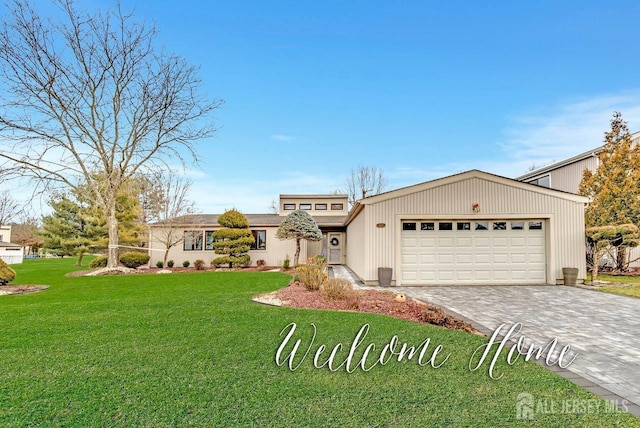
193	349
632	289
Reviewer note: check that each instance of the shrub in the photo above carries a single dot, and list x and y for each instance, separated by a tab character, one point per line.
134	259
6	273
159	264
287	263
186	263
337	289
437	316
312	274
232	261
261	264
170	263
199	264
99	262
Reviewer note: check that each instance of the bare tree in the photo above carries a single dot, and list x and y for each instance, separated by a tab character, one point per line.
364	181
166	203
9	207
273	208
89	96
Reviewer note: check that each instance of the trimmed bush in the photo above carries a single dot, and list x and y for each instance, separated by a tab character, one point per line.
170	263
337	289
312	274
6	273
286	264
159	264
99	262
232	261
199	264
134	259
186	263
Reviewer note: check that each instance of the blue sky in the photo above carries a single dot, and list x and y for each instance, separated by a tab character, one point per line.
422	89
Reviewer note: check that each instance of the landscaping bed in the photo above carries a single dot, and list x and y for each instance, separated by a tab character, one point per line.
371	301
21	289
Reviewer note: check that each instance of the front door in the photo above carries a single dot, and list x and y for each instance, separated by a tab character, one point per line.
334	245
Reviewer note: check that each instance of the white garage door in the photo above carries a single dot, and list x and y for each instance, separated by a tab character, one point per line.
473	252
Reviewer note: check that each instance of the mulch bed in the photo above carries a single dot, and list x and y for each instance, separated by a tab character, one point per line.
21	289
372	301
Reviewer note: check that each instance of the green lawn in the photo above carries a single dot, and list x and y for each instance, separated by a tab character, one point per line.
632	290
193	349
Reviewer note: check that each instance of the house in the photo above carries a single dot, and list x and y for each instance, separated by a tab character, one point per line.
566	175
9	253
469	228
329	211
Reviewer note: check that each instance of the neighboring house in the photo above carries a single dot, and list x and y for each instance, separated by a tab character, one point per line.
469	228
329	211
9	253
566	175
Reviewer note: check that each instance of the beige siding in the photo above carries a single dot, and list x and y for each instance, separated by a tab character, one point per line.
277	250
634	257
565	221
315	201
5	233
357	244
568	177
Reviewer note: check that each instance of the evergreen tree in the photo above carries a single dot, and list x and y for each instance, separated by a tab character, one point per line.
299	225
614	188
73	227
233	241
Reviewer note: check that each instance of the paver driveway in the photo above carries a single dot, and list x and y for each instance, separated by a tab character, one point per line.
603	328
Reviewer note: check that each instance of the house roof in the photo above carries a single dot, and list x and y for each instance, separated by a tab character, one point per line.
9	245
404	191
560	164
255	220
315	196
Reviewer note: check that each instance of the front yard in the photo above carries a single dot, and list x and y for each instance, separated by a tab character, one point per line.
621	284
193	349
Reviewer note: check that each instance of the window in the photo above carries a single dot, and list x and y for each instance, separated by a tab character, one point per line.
517	225
499	225
543	181
192	240
289	207
260	240
445	226
427	226
338	207
321	207
305	207
208	240
482	225
408	226
535	225
464	226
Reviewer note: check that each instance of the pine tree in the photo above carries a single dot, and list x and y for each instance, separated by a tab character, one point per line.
233	241
614	188
73	227
299	225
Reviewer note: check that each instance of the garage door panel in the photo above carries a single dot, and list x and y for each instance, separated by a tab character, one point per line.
472	256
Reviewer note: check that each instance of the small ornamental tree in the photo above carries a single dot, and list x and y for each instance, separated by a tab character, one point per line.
299	225
6	273
234	241
601	238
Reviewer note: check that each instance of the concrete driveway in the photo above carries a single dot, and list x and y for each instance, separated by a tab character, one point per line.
603	328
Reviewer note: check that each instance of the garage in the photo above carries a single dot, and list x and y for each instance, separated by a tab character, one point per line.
468	228
468	251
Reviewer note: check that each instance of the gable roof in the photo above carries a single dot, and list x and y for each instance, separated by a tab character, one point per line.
474	173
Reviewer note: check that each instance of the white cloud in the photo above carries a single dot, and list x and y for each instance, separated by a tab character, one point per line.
574	128
282	137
